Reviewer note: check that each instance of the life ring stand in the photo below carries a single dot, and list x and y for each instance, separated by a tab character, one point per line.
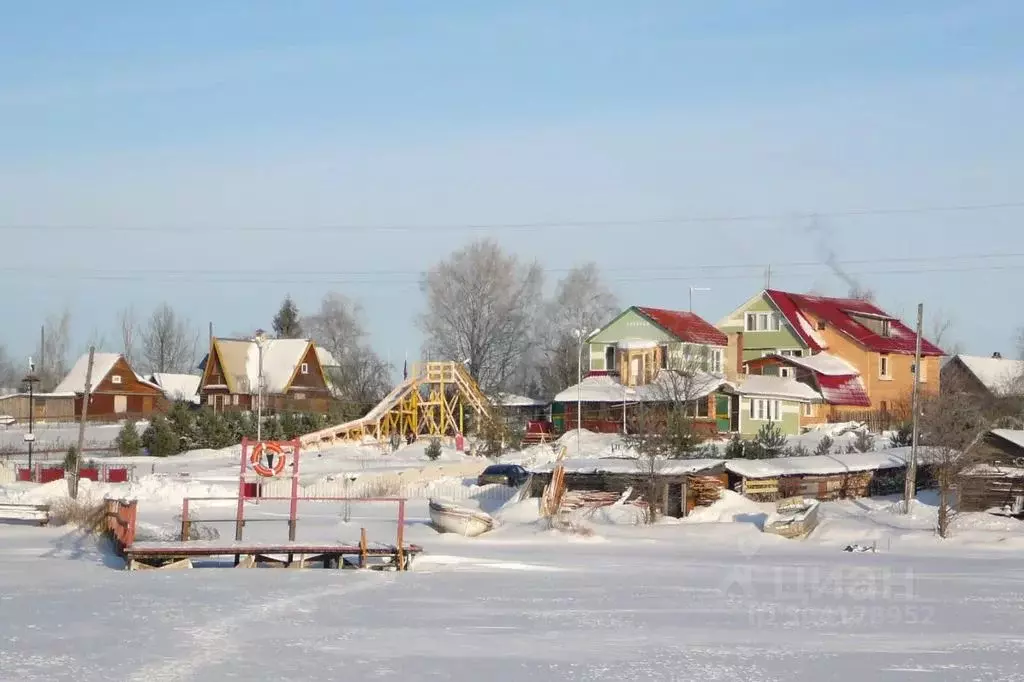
256	459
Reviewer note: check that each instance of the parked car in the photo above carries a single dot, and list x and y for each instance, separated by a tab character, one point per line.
507	474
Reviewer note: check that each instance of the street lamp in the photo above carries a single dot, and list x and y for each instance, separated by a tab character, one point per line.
260	339
31	379
693	289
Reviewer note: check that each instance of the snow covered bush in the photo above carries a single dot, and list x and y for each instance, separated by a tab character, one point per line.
865	442
82	512
433	450
128	441
903	437
734	450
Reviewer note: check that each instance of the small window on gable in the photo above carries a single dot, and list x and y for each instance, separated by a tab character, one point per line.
115	379
886	328
883	366
751	322
304	369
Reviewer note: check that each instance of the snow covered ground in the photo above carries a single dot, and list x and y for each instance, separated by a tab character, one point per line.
707	598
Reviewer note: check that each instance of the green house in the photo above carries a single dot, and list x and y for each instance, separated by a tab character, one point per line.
756	329
773	399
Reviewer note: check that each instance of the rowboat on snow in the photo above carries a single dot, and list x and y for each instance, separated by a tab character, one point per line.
448	517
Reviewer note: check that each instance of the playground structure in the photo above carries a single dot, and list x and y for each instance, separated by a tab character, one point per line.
432	401
265	460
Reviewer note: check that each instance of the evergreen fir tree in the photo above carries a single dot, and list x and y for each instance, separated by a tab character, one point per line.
129	442
159	438
286	322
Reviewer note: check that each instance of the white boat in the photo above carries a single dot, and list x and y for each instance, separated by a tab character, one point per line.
448	517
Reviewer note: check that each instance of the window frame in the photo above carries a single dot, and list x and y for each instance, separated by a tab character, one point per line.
884	370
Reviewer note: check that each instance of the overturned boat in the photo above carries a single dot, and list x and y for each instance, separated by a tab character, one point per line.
448	517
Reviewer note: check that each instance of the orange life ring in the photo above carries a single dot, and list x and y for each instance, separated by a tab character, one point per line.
256	459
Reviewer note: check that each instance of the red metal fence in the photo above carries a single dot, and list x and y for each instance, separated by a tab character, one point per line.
48	474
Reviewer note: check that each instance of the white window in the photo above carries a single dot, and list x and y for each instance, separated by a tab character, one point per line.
924	371
883	366
116	379
762	321
790	352
761	409
304	368
787	372
300	396
716	361
808	409
774	322
751	322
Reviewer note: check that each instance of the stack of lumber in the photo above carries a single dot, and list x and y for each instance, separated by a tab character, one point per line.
577	499
705	490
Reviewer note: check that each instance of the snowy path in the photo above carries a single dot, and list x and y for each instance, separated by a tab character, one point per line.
707	602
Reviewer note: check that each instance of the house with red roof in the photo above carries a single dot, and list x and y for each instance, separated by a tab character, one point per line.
868	355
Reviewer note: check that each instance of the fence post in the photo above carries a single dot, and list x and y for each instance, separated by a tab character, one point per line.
185	523
401	534
362	548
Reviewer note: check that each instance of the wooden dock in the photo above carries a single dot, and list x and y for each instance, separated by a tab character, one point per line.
290	554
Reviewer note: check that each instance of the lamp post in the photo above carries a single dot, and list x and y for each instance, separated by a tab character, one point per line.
31	379
260	339
693	289
580	335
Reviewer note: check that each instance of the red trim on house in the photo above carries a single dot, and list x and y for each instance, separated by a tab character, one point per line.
835	312
686	326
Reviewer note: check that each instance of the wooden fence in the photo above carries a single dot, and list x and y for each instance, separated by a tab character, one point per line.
121	519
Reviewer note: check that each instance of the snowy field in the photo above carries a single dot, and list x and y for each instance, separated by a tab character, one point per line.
707	598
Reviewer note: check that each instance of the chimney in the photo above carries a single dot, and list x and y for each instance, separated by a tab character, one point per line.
997	356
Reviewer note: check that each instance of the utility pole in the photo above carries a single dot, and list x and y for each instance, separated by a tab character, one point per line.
73	479
910	486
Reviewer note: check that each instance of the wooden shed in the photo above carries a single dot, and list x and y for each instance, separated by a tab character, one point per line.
46	407
117	392
821	477
685	483
996	482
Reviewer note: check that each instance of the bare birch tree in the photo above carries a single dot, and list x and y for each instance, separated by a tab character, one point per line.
169	343
581	303
128	322
9	377
360	377
54	353
481	307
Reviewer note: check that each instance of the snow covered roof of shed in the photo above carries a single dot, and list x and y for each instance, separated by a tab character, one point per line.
816	465
74	382
628	465
1015	436
998	375
776	386
178	386
513	400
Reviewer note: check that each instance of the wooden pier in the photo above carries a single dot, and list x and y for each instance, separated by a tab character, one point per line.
289	554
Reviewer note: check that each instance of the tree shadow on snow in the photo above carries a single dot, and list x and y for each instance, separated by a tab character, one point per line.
756	519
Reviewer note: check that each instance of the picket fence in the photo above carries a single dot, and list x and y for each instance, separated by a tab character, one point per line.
7	474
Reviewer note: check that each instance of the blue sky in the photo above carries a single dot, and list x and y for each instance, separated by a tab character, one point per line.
201	150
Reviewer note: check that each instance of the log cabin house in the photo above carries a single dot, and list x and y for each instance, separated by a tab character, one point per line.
293	376
117	392
996	480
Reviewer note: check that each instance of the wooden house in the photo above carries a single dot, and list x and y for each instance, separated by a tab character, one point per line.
684	483
293	377
177	387
646	357
993	378
117	392
996	481
878	346
837	383
772	399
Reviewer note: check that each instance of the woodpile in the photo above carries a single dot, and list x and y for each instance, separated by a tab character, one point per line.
705	490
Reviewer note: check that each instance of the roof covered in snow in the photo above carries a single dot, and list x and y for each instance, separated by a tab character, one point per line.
685	326
816	465
666	386
241	363
776	386
74	382
839	381
1015	436
513	400
628	465
803	311
998	375
178	386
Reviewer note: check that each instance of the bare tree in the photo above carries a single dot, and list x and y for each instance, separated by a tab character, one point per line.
9	377
129	324
481	306
941	324
582	302
360	377
97	339
952	425
169	343
54	353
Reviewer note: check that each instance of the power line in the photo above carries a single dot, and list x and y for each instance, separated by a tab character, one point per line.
186	276
88	273
519	226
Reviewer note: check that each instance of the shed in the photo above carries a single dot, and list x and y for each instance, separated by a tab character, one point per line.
46	407
822	477
697	481
117	392
997	480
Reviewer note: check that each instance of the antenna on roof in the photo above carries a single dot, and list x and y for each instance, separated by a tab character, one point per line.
768	277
